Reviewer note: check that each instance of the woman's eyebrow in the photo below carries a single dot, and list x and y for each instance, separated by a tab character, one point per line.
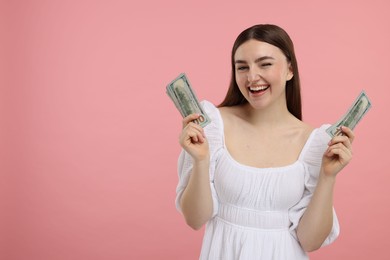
256	61
264	58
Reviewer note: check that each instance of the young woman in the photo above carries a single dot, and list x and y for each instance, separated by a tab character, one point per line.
259	178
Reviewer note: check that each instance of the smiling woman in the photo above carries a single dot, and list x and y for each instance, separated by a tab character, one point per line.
259	178
87	133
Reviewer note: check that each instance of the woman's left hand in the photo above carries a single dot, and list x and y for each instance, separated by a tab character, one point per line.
339	153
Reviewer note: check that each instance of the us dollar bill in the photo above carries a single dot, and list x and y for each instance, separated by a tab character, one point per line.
355	113
185	100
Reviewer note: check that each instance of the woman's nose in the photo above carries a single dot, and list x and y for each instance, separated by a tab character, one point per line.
253	76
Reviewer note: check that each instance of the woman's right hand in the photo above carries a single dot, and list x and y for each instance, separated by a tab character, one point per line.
193	139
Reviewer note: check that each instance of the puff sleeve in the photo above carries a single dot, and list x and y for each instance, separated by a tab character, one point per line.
312	159
214	135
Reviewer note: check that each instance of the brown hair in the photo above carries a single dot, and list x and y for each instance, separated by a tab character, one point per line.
276	36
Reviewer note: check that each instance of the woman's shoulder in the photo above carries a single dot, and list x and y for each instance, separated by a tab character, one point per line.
316	144
320	134
312	133
302	127
232	110
225	113
231	114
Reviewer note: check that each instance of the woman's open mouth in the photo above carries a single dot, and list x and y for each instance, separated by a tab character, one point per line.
258	89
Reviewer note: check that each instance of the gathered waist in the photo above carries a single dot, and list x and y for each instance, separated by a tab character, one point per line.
253	218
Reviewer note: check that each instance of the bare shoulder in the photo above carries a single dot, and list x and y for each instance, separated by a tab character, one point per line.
228	110
301	130
305	127
233	112
229	114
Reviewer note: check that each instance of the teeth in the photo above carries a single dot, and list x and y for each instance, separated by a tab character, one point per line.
258	88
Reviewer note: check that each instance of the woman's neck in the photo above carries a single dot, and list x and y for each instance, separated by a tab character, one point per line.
271	116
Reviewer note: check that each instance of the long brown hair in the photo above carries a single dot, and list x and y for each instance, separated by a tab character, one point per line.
276	36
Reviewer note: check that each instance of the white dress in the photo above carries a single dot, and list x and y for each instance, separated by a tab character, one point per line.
256	210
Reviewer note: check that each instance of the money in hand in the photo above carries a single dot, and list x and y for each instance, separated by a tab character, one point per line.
355	113
184	98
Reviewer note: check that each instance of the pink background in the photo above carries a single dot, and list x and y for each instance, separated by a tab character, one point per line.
89	137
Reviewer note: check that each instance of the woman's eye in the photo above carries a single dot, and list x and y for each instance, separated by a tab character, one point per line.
266	64
242	68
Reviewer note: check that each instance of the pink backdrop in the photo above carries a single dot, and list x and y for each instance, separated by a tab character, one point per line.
89	138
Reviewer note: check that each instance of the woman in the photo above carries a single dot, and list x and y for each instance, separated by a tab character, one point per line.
259	178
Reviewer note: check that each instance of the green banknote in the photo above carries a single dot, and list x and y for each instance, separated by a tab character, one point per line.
355	113
185	100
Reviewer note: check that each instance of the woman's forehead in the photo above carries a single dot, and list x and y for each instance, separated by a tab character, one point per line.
253	49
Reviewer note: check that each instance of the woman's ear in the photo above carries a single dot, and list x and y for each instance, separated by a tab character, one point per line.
290	73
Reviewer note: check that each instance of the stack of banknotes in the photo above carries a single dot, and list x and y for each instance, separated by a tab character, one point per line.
355	113
185	100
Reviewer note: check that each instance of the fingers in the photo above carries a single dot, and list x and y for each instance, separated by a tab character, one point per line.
195	132
189	119
191	130
192	133
341	139
339	149
339	153
347	138
348	132
341	146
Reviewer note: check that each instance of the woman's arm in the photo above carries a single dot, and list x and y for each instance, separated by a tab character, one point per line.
316	223
196	202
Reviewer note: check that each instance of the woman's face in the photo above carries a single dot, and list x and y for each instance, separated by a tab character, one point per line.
262	71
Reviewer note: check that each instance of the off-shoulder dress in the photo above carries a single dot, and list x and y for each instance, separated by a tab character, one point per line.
255	210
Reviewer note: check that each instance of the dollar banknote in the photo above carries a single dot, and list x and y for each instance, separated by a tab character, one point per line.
355	113
185	100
